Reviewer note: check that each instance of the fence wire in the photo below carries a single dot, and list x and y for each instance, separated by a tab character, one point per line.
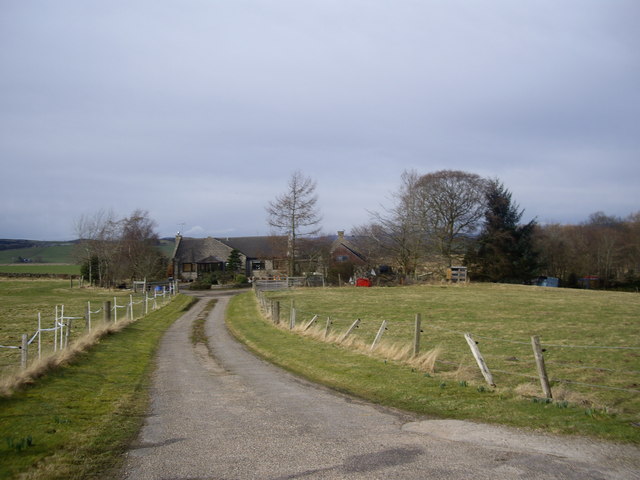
498	360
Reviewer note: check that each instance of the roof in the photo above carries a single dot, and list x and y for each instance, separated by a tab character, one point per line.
258	247
213	250
200	250
342	241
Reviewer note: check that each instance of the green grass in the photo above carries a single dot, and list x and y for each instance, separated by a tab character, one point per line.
23	299
456	389
46	253
76	422
41	269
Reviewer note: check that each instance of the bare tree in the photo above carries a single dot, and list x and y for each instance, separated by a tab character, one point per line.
294	213
96	243
453	205
432	218
117	249
399	230
138	256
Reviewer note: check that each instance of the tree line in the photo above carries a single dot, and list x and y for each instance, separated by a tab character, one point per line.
450	217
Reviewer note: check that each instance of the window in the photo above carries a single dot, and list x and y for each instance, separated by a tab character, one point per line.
187	267
342	258
257	265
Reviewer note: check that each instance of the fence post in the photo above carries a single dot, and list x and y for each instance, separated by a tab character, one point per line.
87	318
275	312
39	336
326	328
106	311
381	330
353	326
308	325
542	371
292	316
479	359
68	332
55	331
62	325
416	335
25	351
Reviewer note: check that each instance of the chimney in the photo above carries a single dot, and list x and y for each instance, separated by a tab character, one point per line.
340	234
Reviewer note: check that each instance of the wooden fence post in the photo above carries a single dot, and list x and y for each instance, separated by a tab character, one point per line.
327	326
62	325
106	311
353	326
68	332
311	322
381	330
275	312
25	351
87	317
416	335
479	360
542	371
55	331
39	336
292	316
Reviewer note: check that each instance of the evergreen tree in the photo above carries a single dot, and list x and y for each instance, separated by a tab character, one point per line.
505	250
234	262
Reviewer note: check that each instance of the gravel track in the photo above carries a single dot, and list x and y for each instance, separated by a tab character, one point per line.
234	416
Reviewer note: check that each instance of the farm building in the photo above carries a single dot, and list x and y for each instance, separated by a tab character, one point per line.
342	250
260	256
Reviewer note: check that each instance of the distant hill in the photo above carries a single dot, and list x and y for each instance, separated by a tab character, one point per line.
42	251
12	244
35	251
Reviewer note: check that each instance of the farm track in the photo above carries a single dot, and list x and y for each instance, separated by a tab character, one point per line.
235	416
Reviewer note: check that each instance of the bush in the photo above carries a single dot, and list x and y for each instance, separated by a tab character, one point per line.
203	282
240	279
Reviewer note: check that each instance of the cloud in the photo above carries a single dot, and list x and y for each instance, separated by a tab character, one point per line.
199	112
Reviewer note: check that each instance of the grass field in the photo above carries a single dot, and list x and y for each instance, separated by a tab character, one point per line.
76	422
57	253
21	300
573	326
44	268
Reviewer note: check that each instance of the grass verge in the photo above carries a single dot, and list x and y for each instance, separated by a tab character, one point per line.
77	421
401	386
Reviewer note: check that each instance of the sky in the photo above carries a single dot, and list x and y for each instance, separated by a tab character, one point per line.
198	111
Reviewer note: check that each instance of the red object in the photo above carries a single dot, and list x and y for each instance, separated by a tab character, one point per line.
363	282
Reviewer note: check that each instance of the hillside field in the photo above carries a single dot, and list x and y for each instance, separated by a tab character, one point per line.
45	257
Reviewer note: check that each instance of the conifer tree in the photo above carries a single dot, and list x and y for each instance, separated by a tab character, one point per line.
505	250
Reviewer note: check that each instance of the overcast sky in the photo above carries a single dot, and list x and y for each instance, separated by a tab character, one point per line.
199	110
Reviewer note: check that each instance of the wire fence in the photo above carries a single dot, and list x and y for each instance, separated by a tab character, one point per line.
55	334
598	374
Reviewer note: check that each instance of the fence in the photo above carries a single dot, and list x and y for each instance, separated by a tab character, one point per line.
607	370
280	283
65	325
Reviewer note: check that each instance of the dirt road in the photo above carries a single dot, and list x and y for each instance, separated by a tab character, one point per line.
237	417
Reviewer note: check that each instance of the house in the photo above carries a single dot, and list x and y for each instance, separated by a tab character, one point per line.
342	250
259	256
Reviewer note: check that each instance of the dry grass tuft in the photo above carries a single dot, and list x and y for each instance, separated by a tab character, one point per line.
40	368
427	361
